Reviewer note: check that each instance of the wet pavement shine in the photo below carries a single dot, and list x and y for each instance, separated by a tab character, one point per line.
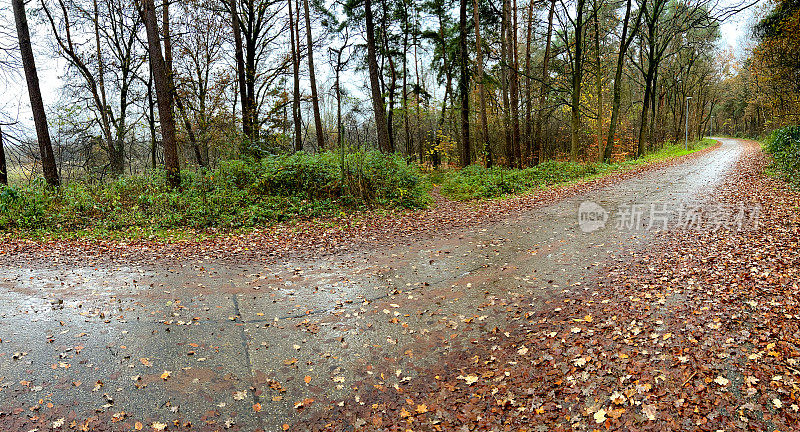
256	346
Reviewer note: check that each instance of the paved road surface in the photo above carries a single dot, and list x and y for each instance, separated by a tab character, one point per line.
96	341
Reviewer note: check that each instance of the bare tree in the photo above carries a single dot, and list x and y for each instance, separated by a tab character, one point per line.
258	30
463	84
374	80
538	152
241	72
628	34
528	87
577	78
483	116
513	85
295	47
163	93
34	92
3	166
113	41
312	77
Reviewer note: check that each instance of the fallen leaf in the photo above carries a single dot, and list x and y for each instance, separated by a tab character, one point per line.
469	379
650	411
600	416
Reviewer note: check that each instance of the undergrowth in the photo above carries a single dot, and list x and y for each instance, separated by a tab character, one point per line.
478	182
236	194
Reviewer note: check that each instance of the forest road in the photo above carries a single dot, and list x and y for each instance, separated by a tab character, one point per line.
254	346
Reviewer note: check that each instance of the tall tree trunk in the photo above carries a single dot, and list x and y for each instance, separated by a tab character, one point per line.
654	101
312	77
538	152
151	119
392	92
625	42
408	145
163	93
463	85
392	75
241	73
448	90
652	56
339	126
483	117
504	81
374	80
34	92
167	35
528	87
418	107
3	166
513	87
577	75
640	149
598	78
296	117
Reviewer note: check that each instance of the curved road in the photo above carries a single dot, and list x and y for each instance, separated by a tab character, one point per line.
204	342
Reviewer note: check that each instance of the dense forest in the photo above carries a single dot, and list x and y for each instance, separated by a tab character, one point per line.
190	83
761	94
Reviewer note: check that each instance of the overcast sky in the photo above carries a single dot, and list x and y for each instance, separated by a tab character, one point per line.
14	100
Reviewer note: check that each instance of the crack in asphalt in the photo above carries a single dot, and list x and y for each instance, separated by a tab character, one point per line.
246	347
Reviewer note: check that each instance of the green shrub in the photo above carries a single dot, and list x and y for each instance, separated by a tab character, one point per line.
238	193
300	174
478	182
784	146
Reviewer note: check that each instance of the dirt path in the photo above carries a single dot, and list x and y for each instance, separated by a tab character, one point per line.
258	346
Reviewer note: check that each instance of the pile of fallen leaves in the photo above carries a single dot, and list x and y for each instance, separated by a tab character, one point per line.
700	333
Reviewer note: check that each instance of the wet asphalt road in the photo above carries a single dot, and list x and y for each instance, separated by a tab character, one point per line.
100	341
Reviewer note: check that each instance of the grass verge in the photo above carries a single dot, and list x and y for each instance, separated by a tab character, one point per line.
237	194
477	182
240	195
